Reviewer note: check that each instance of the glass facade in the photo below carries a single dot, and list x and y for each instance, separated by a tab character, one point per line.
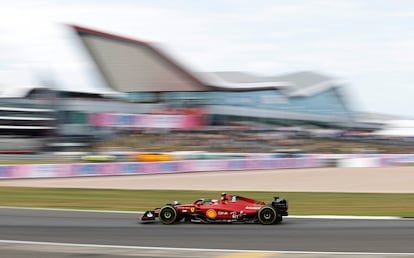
323	103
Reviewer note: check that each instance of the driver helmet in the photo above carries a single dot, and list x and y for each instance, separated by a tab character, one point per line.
224	196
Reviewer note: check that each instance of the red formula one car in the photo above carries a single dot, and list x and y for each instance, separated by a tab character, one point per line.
230	209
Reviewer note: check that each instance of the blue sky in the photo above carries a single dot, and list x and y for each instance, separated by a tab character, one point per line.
368	44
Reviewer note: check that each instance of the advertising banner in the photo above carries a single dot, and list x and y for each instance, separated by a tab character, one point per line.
145	120
177	166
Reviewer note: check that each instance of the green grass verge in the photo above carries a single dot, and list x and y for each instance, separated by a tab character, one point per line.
367	204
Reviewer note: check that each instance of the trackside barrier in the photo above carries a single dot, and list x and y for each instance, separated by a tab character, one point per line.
358	162
136	168
366	160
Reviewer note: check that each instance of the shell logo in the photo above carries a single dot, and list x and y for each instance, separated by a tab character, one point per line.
211	214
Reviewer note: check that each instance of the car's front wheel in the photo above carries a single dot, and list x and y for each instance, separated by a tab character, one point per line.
267	215
168	215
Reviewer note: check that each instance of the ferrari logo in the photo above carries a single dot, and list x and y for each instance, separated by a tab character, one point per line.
192	209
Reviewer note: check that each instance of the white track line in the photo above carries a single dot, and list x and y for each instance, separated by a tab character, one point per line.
139	212
189	249
76	210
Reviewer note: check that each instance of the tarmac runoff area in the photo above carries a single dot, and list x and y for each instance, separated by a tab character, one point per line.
384	180
362	180
69	233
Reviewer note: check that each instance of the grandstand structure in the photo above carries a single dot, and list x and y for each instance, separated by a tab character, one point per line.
147	74
27	115
26	110
150	81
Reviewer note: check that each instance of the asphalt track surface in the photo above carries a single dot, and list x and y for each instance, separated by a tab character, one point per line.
122	229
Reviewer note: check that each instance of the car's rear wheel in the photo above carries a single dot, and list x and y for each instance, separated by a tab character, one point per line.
168	215
279	218
267	215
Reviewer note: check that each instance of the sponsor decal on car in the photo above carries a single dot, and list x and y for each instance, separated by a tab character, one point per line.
235	215
211	214
192	209
252	207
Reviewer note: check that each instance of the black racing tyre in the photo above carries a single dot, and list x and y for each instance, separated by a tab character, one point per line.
279	218
267	215
168	215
